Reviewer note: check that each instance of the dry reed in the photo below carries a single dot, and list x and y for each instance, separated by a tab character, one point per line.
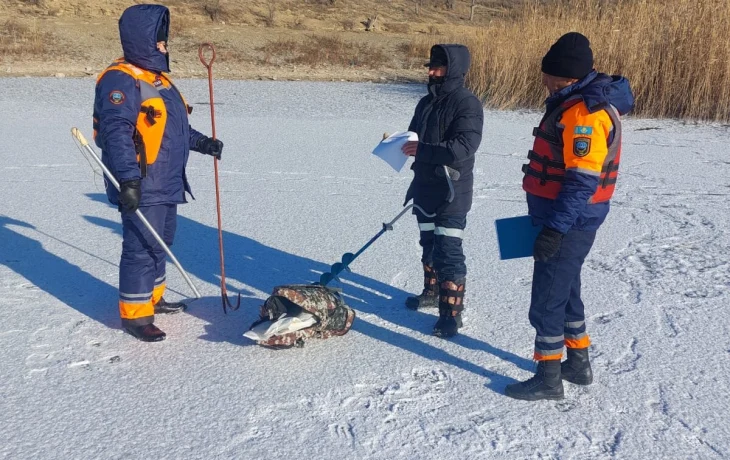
674	52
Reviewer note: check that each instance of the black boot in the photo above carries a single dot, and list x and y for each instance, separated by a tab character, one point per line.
447	325
163	306
577	368
147	333
429	298
546	384
451	304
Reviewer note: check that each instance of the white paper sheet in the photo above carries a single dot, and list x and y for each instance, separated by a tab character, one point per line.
390	149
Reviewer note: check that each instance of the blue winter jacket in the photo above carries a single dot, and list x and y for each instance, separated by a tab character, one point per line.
449	123
571	210
117	106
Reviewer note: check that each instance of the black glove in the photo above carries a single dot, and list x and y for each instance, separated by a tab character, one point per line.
129	195
547	244
208	146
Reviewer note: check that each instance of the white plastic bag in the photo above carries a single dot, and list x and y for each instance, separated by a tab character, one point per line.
283	325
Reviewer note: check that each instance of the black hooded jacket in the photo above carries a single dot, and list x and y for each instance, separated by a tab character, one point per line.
449	123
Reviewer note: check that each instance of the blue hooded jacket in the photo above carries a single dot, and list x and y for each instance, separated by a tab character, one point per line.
117	106
449	123
571	210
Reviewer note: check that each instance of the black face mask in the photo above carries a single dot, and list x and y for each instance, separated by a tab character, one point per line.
162	34
436	80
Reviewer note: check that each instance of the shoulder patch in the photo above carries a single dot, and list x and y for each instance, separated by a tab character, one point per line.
116	97
581	146
584	130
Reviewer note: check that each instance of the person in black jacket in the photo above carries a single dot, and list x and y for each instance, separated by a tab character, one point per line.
448	122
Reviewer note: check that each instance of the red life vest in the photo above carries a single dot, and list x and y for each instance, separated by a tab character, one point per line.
545	173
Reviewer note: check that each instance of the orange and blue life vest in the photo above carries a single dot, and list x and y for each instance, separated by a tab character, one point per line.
141	124
574	163
152	117
593	140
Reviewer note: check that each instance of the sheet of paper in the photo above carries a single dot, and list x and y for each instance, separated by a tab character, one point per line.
389	149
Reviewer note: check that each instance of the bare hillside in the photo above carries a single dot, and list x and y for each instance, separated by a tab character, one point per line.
274	39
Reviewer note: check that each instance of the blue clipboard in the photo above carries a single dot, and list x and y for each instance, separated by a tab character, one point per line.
516	237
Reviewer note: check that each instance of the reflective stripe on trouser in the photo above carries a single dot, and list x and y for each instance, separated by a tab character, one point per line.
441	240
556	309
142	267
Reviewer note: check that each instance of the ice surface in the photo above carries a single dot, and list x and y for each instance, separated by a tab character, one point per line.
299	188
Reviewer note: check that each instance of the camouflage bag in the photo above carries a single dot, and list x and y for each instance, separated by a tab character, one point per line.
323	307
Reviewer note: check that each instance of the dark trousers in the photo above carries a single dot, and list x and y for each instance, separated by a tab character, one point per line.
556	309
142	267
441	238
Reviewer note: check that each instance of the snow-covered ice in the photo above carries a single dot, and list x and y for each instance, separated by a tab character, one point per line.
300	187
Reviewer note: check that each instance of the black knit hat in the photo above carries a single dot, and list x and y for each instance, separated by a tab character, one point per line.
570	57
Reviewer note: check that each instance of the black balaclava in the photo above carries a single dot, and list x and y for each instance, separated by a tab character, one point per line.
438	59
162	36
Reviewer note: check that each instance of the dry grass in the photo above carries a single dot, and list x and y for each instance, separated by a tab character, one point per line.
416	51
19	39
674	52
182	26
320	50
398	27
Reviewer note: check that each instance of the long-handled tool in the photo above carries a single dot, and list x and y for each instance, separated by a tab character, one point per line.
347	258
209	66
85	144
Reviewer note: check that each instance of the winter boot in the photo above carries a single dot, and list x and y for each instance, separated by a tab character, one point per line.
546	384
162	306
147	333
451	304
429	297
577	368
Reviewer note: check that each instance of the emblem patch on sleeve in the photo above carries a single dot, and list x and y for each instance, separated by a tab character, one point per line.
581	146
584	130
116	97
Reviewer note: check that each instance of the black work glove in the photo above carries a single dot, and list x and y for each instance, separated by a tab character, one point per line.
208	146
129	195
547	244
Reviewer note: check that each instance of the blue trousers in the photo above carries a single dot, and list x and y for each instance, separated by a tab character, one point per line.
441	238
142	267
556	309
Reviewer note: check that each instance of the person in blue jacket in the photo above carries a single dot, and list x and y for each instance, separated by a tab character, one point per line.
141	125
569	180
449	123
